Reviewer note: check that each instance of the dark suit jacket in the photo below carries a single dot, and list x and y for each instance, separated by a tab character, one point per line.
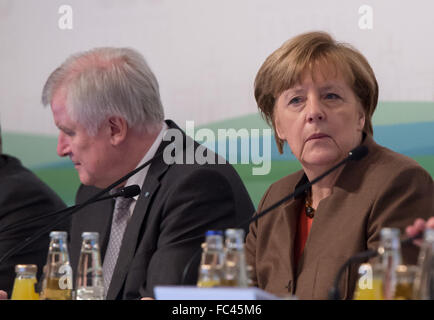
178	203
23	196
384	189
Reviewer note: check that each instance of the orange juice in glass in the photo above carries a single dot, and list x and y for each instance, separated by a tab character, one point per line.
25	281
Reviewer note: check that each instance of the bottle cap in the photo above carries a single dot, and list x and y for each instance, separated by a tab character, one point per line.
26	268
429	235
234	233
213	233
234	239
90	235
58	234
389	232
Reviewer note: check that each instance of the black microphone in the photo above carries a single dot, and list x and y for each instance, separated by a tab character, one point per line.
354	155
127	192
334	293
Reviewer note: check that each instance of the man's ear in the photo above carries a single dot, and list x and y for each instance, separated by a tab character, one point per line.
118	130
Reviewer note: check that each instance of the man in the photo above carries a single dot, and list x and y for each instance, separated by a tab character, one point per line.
107	107
23	197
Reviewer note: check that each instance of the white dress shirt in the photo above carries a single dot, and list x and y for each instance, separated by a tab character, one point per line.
140	176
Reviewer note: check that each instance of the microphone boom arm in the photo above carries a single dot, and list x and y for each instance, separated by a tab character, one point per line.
78	207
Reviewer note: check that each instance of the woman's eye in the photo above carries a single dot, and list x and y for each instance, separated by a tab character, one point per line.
295	100
332	96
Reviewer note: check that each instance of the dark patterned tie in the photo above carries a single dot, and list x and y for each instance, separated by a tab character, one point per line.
119	223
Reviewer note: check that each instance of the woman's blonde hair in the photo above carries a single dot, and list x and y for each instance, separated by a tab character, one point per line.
284	67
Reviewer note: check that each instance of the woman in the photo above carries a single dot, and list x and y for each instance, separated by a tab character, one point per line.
319	97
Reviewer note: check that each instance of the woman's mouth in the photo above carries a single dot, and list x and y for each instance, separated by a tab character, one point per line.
316	136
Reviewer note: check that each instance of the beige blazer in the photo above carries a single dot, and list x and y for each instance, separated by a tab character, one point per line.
384	189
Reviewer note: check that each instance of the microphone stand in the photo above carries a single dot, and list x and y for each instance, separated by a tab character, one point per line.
71	210
355	154
126	190
78	207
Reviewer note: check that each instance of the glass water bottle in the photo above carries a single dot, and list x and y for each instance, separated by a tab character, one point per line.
57	276
235	267
90	284
210	270
424	282
390	258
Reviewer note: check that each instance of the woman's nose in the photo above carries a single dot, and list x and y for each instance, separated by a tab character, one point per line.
315	110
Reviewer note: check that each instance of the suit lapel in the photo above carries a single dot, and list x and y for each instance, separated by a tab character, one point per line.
288	229
131	236
327	214
136	223
291	216
103	226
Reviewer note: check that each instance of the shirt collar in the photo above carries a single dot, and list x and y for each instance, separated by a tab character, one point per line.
139	177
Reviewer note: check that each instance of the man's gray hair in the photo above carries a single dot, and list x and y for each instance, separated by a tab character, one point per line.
106	82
